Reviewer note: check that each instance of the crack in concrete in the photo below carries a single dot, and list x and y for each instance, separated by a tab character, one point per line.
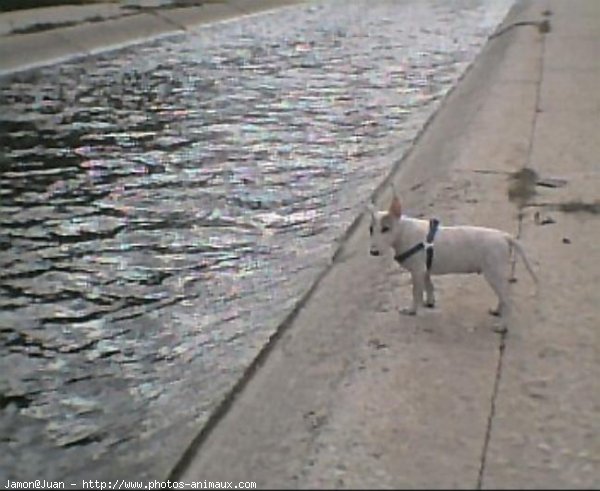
488	432
501	351
542	25
168	20
521	206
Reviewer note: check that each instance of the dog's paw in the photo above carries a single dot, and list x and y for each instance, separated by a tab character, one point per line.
408	311
430	305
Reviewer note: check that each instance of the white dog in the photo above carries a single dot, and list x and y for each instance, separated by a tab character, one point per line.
425	249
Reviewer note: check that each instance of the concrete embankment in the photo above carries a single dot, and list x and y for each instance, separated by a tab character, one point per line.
120	28
354	395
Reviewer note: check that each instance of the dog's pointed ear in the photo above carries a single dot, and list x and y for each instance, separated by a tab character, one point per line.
395	206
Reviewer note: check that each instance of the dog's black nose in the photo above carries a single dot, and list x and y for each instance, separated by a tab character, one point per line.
374	253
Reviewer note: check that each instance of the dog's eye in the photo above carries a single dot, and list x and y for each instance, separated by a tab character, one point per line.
385	229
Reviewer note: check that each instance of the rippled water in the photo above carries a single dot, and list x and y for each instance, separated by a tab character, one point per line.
163	207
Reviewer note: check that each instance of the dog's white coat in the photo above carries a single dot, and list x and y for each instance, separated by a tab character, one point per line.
458	249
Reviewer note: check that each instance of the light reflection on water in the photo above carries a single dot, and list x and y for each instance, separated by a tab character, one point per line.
163	208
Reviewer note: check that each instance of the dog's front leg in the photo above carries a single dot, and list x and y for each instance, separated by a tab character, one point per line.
418	280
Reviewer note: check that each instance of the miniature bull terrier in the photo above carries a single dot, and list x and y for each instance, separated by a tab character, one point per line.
425	248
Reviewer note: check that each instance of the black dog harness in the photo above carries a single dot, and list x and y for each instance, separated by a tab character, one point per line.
427	245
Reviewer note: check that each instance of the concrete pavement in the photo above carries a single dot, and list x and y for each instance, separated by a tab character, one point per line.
353	395
72	31
546	425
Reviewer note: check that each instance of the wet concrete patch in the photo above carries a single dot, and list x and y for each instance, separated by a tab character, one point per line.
580	207
521	187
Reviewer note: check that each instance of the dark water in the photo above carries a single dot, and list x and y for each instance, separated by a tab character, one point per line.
163	207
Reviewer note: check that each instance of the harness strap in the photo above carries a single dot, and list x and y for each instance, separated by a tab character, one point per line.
433	226
427	245
406	254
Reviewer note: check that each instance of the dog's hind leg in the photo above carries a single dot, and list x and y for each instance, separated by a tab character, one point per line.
498	280
429	293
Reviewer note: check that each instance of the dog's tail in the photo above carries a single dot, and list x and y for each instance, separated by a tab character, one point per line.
519	248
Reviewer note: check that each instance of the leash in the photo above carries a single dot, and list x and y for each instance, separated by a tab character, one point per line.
427	245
